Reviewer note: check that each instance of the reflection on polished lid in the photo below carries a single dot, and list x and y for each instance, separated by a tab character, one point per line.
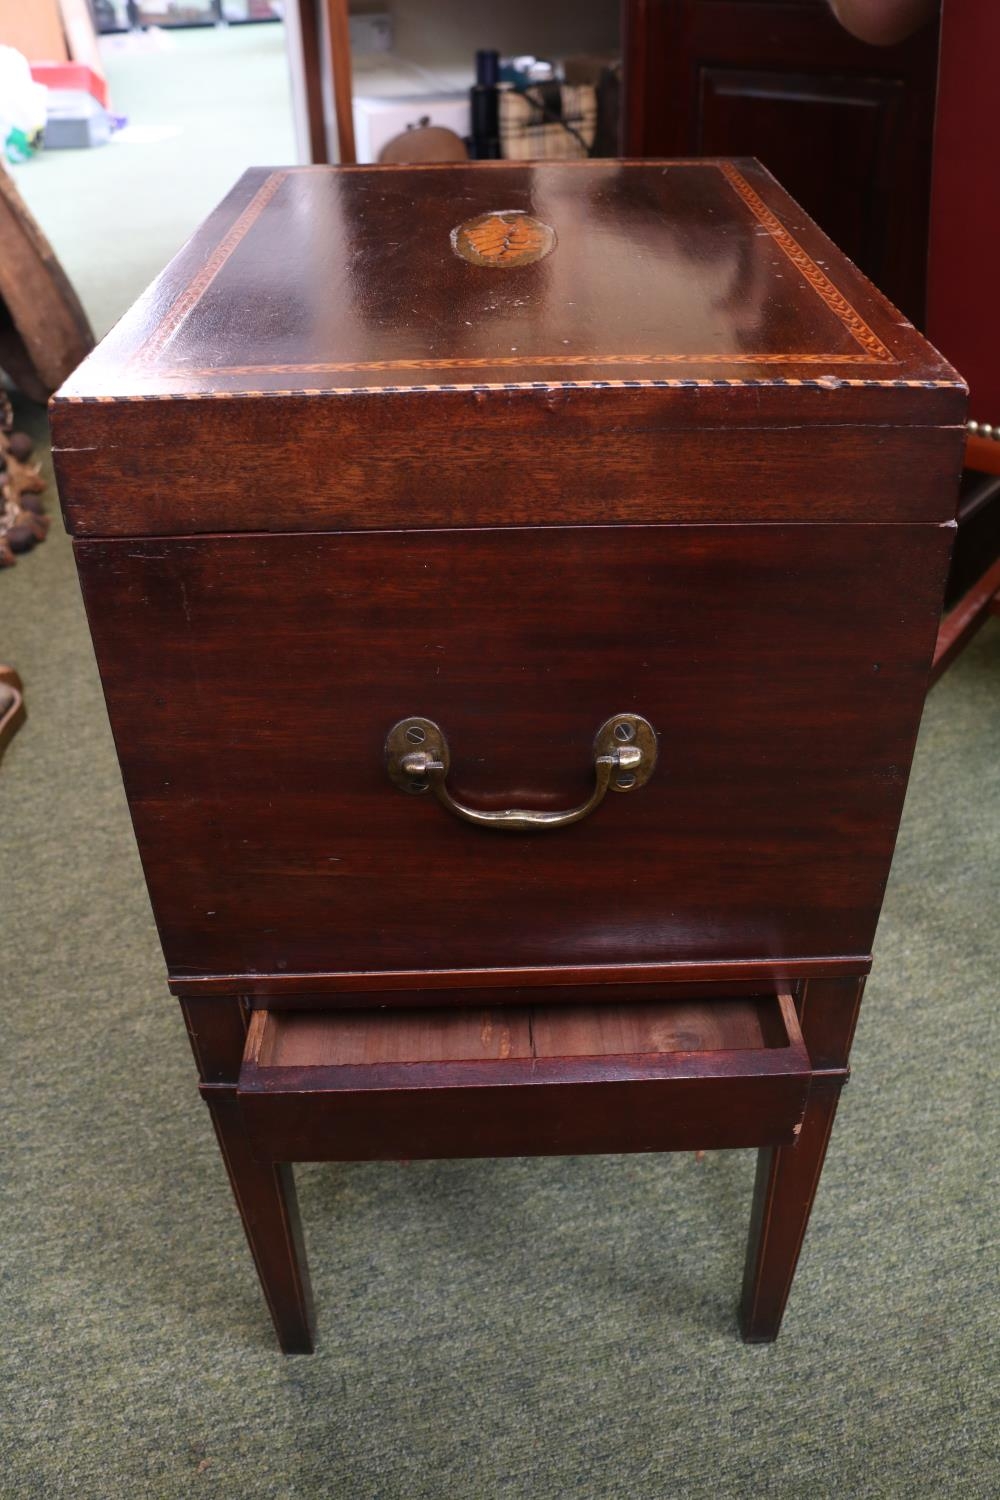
384	280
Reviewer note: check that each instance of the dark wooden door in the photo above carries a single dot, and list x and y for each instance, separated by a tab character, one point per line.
845	127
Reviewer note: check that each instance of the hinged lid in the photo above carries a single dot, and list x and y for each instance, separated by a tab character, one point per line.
384	334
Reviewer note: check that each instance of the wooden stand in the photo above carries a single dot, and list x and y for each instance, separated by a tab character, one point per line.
291	1084
787	1178
608	552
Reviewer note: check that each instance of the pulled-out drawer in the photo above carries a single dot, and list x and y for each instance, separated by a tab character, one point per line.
523	1080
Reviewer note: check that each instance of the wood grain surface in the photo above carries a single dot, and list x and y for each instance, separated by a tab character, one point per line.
662	362
635	1077
349	1038
704	265
845	127
44	332
251	683
517	458
568	984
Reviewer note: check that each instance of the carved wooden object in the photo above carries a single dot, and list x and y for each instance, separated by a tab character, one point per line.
23	522
44	332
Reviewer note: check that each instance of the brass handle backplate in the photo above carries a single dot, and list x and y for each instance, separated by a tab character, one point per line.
417	759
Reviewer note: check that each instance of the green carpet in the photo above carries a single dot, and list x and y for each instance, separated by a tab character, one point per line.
535	1329
202	106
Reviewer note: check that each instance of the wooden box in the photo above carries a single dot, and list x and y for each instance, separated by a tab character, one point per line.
415	510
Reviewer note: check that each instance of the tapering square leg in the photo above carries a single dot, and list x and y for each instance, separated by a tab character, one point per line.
265	1197
264	1192
788	1176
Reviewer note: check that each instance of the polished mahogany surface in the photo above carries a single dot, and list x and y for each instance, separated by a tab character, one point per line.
323	278
327	313
505	458
844	126
965	217
478	550
252	682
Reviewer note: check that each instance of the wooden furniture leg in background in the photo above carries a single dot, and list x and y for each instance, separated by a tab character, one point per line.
961	622
338	41
264	1192
788	1176
12	714
304	37
321	52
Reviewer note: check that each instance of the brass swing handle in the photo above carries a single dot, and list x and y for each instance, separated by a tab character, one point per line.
417	759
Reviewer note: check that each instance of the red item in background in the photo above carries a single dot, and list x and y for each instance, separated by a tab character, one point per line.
71	75
962	315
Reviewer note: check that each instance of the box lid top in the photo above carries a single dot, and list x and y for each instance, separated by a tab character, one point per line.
493	275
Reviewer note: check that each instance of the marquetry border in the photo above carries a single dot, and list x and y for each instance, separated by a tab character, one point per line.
807	267
196	288
823	383
873	350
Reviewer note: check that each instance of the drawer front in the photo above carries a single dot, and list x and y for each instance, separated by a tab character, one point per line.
520	1081
252	680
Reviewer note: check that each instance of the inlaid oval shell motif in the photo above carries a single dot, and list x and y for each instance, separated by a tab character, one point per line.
503	239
